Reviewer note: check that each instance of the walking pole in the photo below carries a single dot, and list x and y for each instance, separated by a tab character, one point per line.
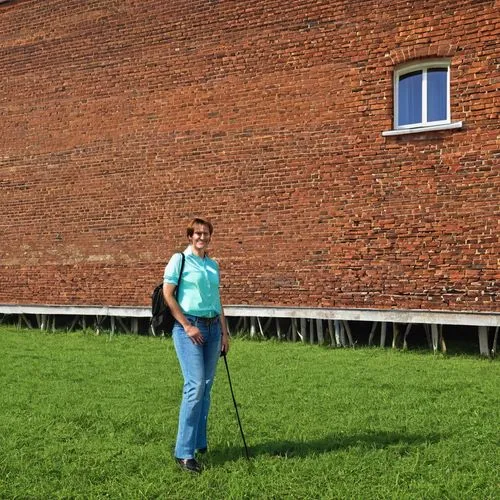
236	407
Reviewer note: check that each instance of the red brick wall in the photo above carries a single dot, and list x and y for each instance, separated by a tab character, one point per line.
119	120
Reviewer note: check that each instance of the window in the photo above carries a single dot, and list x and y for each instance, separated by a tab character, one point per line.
422	97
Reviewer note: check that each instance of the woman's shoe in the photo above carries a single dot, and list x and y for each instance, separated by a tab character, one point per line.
188	464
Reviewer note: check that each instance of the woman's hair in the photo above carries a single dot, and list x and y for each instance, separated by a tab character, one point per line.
197	220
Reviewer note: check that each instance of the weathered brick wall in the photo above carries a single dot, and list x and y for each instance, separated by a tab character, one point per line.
121	119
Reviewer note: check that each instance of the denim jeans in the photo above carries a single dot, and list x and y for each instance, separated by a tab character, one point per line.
198	364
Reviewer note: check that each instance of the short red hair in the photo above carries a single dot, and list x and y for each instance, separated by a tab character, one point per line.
203	222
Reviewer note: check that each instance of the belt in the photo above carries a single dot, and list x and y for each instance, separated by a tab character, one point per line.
205	321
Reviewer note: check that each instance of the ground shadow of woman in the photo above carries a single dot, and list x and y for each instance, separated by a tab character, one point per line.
329	443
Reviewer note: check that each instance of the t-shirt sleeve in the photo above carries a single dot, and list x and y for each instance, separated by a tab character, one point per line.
173	269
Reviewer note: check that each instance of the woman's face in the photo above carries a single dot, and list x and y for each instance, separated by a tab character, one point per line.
201	237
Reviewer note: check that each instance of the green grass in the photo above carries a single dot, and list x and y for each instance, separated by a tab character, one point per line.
85	416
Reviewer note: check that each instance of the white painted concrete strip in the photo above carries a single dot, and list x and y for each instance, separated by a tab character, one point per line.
393	315
398	316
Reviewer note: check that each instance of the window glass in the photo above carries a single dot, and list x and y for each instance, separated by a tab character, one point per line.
437	84
410	98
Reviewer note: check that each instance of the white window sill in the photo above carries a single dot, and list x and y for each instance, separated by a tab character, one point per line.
417	130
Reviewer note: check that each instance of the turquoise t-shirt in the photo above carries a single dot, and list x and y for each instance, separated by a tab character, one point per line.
198	292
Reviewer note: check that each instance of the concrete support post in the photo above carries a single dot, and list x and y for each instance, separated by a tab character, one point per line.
294	330
252	327
435	337
383	333
319	330
303	329
483	341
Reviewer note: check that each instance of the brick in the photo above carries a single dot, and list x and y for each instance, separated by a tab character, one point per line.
121	120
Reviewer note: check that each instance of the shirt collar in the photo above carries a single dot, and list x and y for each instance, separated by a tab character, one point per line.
189	251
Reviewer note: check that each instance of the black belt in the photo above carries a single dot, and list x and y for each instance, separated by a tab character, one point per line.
205	321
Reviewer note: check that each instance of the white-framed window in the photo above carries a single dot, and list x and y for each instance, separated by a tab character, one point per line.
422	97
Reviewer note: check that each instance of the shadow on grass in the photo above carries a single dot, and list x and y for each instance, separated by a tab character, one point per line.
292	449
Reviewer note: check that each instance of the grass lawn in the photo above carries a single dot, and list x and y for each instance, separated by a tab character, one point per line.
85	416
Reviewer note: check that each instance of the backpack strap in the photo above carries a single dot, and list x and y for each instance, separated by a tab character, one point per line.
180	274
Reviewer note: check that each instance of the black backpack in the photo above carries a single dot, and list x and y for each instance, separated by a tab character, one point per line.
162	320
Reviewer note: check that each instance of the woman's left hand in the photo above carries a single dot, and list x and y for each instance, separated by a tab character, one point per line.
225	344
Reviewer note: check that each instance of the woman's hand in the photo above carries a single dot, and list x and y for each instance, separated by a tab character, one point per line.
193	332
224	349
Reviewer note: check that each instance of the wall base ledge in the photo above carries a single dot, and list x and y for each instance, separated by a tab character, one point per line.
423	316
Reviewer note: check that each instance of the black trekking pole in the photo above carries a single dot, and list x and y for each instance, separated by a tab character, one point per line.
236	406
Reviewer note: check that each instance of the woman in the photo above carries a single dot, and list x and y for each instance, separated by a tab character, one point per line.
200	336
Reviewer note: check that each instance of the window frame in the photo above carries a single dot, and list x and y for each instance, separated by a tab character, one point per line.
422	66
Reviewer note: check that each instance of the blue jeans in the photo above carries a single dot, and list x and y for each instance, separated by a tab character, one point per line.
198	364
